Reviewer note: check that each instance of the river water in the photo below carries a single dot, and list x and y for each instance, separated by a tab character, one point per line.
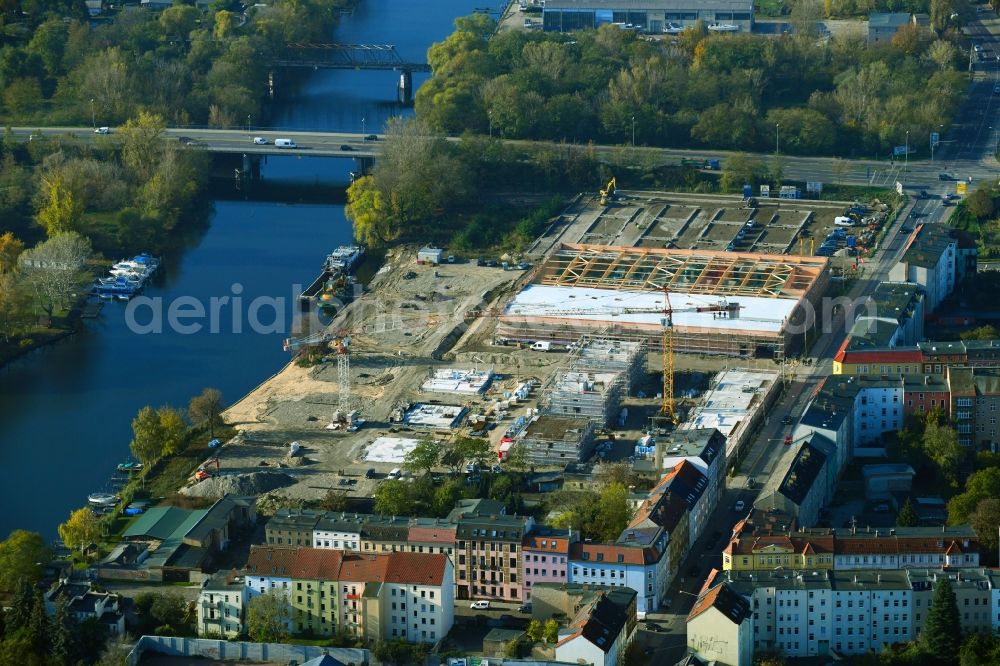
66	411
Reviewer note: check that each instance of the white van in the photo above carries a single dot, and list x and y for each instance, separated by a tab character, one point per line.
844	222
394	474
284	143
542	346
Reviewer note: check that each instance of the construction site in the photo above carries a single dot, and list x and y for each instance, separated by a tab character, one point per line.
564	352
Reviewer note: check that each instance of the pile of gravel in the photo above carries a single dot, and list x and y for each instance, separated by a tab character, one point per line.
253	483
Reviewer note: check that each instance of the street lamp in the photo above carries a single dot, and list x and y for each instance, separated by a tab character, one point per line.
633	131
489	114
363	126
777	126
93	114
906	158
248	123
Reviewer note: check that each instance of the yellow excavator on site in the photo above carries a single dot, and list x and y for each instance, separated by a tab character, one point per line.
608	193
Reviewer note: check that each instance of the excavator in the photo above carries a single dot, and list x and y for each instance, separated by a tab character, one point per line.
608	193
203	469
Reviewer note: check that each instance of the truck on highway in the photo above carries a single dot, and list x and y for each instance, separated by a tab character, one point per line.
284	143
699	163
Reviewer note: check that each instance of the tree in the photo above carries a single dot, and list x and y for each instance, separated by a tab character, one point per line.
82	529
23	557
206	408
10	249
943	54
173	428
517	459
940	442
267	618
142	145
942	633
445	497
985	332
63	636
334	501
23	95
981	203
168	609
741	169
984	484
147	437
38	624
551	631
613	512
369	212
60	209
392	498
423	457
471	450
985	520
980	649
15	306
535	631
54	268
907	516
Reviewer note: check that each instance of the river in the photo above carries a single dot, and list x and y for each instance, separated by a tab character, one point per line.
66	411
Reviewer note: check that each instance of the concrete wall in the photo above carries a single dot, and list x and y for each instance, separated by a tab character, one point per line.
241	650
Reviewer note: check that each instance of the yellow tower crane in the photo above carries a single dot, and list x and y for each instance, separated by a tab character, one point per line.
722	308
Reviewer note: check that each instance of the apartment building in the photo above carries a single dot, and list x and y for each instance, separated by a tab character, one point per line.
488	562
638	559
545	556
702	448
600	631
720	627
811	613
929	261
921	358
405	596
851	549
221	605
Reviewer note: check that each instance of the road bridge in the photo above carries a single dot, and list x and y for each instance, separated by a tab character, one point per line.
960	163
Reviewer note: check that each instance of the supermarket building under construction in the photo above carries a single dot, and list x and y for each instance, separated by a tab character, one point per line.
722	303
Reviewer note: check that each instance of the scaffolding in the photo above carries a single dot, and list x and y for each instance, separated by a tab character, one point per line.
746	344
557	440
601	371
688	271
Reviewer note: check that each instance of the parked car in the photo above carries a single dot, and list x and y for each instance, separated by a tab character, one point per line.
480	605
787	419
394	474
102	130
740	505
524	608
944	176
371	473
183	139
214	444
906	230
751	482
652	626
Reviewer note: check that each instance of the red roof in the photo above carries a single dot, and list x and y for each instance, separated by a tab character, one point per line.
609	554
881	356
432	534
270	561
416	568
561	544
347	566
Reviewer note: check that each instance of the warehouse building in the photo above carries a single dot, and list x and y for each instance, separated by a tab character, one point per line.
723	303
650	16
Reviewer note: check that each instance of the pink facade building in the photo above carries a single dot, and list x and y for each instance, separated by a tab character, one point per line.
545	557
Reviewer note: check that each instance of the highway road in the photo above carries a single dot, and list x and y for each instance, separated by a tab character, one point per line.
966	157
